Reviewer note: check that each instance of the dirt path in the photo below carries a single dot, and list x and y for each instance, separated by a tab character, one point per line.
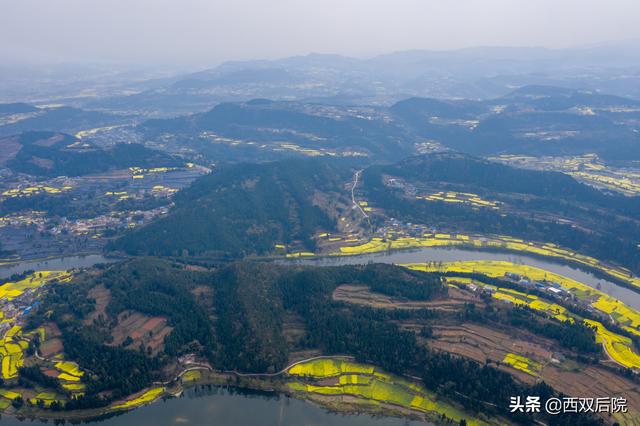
356	178
284	370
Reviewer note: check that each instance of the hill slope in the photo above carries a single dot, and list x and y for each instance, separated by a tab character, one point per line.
533	205
267	125
243	209
59	154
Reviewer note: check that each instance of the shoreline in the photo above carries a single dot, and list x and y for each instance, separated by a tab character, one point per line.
596	270
249	382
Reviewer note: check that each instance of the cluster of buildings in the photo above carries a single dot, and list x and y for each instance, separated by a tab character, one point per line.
113	220
27	218
12	310
550	287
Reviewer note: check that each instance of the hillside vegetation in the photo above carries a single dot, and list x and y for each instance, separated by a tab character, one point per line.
534	205
243	209
50	154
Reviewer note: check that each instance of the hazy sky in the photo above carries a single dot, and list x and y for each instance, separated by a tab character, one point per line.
206	32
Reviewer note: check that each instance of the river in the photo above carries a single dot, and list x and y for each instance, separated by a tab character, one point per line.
626	295
222	407
55	264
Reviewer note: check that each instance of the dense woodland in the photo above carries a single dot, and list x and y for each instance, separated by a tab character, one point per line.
40	157
243	209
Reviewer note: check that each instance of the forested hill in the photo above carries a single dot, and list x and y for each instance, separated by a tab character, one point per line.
479	174
532	205
310	126
58	154
245	209
533	120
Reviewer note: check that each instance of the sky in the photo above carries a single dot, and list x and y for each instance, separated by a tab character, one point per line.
208	32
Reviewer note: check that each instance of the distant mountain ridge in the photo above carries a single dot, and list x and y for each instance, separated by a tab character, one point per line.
273	123
59	119
473	73
532	120
16	108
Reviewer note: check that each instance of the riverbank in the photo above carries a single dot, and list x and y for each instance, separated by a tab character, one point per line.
279	384
55	263
496	243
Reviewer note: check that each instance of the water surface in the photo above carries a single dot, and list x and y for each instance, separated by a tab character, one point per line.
423	255
55	264
216	406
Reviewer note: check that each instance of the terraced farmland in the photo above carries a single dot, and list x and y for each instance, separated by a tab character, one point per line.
620	348
14	343
468	198
339	377
523	364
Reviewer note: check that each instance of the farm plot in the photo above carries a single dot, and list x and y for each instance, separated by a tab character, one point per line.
596	382
338	377
46	399
51	344
138	329
523	364
467	198
142	399
619	348
496	242
102	296
361	295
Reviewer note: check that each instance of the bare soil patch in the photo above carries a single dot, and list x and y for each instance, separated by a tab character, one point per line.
142	330
203	295
102	296
51	347
361	295
293	329
45	163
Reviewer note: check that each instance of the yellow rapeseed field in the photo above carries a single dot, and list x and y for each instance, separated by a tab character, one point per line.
145	398
70	368
10	290
502	242
459	197
522	363
619	348
364	381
